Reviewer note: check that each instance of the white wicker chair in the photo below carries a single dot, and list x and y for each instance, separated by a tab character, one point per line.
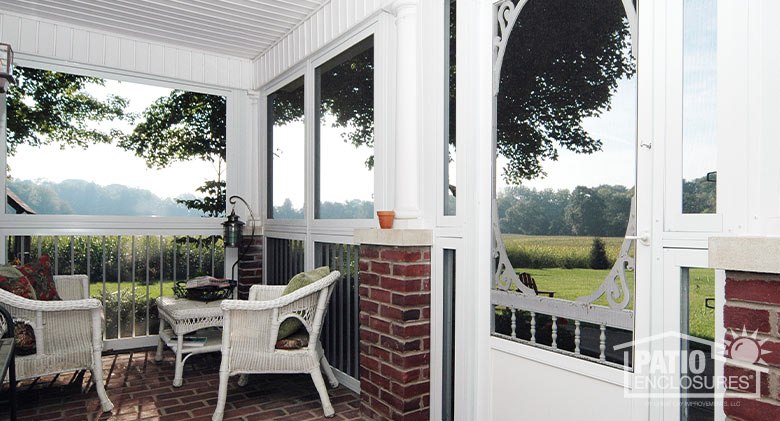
68	333
251	327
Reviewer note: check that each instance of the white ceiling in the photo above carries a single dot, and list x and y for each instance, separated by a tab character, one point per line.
240	28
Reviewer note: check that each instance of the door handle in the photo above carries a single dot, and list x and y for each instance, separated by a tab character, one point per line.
644	238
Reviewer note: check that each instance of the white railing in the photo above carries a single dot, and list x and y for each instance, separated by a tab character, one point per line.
127	273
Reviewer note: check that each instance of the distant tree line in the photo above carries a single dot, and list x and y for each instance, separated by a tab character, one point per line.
80	197
591	211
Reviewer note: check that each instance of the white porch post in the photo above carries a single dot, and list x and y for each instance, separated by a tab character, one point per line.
407	141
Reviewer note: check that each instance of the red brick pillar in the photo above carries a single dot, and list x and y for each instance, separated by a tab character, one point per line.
250	268
395	289
753	302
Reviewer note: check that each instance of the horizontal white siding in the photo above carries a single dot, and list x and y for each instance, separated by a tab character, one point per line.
326	24
52	40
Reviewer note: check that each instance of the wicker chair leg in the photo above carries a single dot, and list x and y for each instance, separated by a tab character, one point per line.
219	412
243	380
319	382
97	377
159	355
332	380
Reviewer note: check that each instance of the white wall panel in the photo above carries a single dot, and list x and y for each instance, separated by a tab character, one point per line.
326	24
41	38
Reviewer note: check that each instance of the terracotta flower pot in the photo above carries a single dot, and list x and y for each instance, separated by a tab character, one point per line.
385	219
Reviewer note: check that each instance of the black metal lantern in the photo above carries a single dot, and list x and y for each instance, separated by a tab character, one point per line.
6	66
233	230
233	235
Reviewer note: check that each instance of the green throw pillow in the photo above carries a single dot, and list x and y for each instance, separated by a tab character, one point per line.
291	324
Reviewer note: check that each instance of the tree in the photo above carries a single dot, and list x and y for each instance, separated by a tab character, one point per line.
562	63
180	127
46	107
585	212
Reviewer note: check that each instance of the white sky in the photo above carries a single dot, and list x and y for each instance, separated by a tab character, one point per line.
344	176
108	164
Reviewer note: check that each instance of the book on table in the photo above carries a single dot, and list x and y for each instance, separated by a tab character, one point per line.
194	341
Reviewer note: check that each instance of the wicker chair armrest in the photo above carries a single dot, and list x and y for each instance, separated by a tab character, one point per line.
16	301
265	292
283	300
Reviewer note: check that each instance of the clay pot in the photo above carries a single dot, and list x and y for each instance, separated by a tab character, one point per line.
385	219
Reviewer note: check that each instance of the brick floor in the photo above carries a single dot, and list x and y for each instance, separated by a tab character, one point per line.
141	389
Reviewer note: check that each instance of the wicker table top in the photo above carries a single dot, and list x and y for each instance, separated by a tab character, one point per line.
182	308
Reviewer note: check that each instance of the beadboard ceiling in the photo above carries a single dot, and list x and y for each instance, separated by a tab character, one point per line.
239	28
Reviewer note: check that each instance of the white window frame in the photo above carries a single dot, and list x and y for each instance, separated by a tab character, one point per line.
309	229
676	220
13	224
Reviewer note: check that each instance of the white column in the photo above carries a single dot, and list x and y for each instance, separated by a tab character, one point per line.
407	142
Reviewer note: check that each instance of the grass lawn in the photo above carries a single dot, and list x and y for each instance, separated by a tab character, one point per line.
96	288
569	284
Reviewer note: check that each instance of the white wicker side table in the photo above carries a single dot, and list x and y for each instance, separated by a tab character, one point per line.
185	316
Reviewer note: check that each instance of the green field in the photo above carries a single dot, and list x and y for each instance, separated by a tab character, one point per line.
539	251
561	266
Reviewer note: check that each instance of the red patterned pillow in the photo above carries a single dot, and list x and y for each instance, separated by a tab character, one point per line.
24	339
24	336
20	286
39	273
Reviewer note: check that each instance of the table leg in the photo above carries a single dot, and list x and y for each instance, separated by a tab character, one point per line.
179	365
159	356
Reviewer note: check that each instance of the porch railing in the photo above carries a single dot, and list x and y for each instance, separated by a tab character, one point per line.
127	273
340	334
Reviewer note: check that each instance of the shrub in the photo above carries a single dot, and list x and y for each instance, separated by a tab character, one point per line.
123	300
598	255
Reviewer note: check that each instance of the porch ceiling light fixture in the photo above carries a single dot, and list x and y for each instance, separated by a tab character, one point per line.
6	67
233	230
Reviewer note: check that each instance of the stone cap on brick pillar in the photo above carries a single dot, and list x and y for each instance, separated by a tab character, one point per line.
394	237
745	254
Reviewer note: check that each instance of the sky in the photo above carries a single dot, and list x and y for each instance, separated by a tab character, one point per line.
344	175
615	163
108	164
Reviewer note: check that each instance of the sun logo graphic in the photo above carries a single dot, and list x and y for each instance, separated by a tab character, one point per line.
745	347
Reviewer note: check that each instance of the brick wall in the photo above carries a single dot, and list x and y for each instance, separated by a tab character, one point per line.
395	287
753	302
250	269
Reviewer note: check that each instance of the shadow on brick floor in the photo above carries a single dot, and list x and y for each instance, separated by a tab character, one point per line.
141	389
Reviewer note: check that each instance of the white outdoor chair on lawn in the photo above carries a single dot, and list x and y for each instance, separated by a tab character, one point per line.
250	330
68	333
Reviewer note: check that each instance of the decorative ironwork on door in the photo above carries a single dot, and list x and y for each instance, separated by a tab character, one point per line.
521	297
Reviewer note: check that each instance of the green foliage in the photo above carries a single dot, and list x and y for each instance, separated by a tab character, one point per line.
121	261
699	196
180	127
599	211
49	107
119	306
598	255
213	201
561	65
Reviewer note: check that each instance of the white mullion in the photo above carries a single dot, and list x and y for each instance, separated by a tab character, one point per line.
309	149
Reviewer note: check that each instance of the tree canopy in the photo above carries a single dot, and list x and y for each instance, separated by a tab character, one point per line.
562	64
45	107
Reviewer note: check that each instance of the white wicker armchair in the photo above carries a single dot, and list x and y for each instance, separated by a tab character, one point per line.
251	327
68	333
